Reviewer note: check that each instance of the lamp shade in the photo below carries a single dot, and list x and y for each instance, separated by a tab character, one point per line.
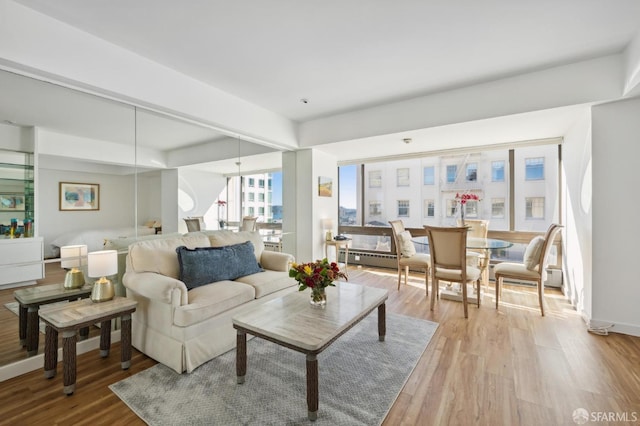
327	223
73	256
103	263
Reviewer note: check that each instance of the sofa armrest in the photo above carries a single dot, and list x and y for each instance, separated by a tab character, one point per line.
276	261
157	287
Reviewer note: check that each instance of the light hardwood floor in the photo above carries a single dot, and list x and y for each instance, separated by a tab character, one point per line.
506	367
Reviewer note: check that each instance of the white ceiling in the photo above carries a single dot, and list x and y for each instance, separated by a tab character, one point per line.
343	56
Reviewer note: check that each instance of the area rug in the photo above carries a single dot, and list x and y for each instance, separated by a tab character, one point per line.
359	378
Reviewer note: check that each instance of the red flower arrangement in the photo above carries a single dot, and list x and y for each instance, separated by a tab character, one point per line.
221	203
463	198
316	275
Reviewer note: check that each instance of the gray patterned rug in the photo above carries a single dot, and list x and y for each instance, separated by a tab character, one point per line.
359	377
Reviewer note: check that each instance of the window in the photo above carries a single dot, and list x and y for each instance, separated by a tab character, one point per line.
497	171
429	208
252	182
403	176
497	207
452	171
452	207
472	172
269	184
261	211
375	208
252	196
471	209
403	208
261	197
251	211
534	168
260	183
270	198
429	177
375	179
534	207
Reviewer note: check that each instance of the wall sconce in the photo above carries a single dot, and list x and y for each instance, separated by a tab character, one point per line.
102	264
73	257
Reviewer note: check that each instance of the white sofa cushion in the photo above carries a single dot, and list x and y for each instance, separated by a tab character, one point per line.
407	249
160	255
210	300
226	238
268	282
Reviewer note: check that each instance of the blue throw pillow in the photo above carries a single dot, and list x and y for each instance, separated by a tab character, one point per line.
205	265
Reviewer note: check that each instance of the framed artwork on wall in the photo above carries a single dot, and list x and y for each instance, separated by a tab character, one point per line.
325	186
12	202
79	196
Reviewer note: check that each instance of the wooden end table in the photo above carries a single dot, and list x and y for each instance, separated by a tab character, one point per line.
30	300
74	316
292	322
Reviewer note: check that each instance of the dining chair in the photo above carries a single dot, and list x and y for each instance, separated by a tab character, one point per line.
533	267
448	246
195	224
406	254
249	223
479	228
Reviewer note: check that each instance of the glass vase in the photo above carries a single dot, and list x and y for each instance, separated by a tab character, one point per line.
318	297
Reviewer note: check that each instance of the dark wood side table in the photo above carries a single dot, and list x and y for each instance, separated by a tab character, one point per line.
30	299
75	316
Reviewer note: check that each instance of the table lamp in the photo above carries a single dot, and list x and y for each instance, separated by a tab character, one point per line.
327	225
102	264
73	257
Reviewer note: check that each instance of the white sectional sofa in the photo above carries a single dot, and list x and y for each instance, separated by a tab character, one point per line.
184	328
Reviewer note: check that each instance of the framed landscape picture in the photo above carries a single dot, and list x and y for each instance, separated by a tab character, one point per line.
79	196
325	186
12	202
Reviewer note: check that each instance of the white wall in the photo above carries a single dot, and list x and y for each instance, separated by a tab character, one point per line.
116	204
616	152
577	217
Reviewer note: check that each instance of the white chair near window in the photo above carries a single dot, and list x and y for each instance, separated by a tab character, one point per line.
249	223
534	265
406	254
478	228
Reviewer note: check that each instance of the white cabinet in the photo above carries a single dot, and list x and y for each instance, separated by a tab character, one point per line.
21	261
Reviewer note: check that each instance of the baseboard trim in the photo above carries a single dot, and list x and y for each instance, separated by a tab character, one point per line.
613	327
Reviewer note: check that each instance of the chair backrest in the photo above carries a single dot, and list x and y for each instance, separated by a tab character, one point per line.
448	247
396	227
553	230
249	223
478	228
193	224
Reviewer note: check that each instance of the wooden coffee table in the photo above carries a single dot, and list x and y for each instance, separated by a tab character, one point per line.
30	300
70	318
292	322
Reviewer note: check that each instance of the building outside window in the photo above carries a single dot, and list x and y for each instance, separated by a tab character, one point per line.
534	168
403	208
497	207
534	207
269	184
403	176
375	208
429	176
471	209
452	171
472	172
375	179
252	196
497	171
252	182
251	211
429	208
452	207
260	183
261	197
261	211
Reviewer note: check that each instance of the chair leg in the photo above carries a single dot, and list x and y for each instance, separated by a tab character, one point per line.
399	275
498	289
426	281
434	290
464	299
406	274
540	296
478	296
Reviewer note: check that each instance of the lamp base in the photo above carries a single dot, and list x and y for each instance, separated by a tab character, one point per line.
74	279
102	290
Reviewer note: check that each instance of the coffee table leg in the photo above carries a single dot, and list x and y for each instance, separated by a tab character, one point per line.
241	356
69	340
50	352
32	330
382	322
312	386
105	338
125	341
22	321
